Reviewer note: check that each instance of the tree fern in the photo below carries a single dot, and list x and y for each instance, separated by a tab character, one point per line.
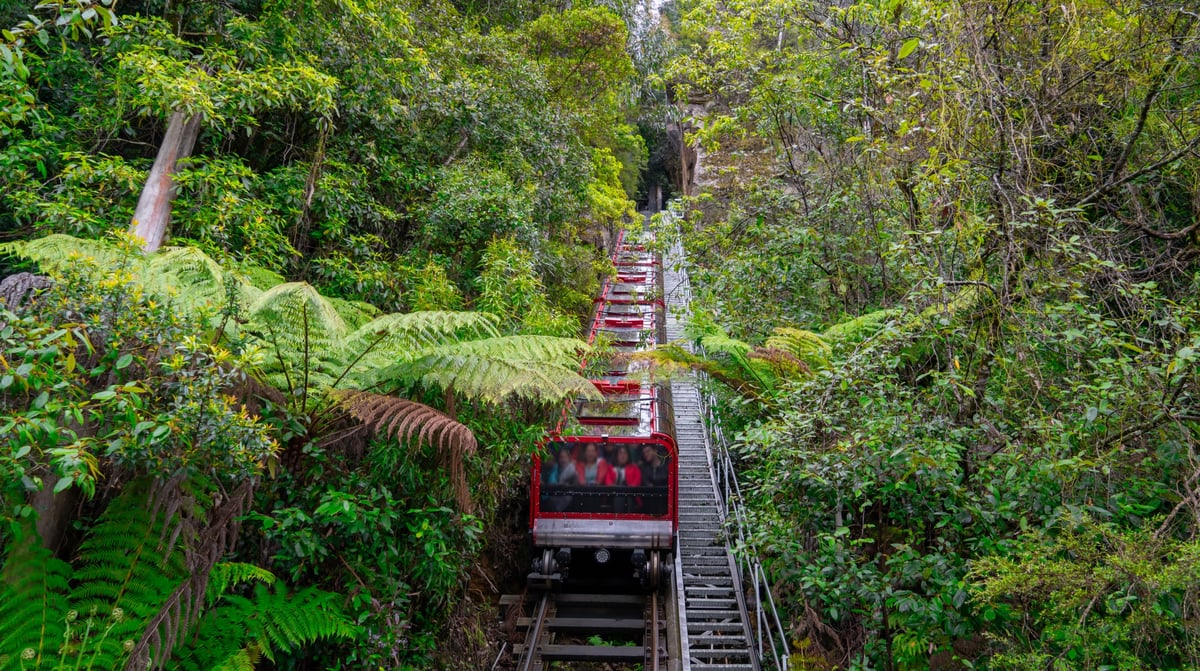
860	328
305	335
34	587
804	345
315	345
498	369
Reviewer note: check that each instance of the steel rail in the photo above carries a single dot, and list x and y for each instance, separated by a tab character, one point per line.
533	638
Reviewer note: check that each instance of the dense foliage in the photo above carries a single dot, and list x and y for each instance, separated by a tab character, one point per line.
1003	471
386	222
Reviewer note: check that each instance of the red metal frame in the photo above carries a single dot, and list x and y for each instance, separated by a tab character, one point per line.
642	274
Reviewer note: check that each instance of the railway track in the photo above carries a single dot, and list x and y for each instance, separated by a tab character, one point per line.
582	630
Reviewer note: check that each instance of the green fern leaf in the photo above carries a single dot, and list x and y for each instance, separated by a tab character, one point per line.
497	369
719	343
304	332
193	280
354	313
385	339
33	601
860	328
58	252
271	621
126	568
227	574
241	660
804	345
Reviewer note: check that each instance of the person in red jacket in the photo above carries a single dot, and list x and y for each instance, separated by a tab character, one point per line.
592	470
624	472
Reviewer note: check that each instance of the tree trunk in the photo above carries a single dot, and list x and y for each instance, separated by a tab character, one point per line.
55	512
153	211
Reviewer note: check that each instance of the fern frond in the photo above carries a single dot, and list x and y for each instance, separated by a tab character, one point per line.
354	313
806	346
496	369
242	660
719	343
125	573
407	420
401	336
271	620
227	574
775	365
417	423
860	328
58	252
193	280
33	600
305	333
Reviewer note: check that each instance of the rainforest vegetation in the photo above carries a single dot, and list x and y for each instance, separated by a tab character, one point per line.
291	289
983	218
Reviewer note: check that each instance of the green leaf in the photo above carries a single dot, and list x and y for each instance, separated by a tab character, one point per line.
124	361
63	483
907	48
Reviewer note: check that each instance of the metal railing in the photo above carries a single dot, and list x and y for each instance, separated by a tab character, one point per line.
770	637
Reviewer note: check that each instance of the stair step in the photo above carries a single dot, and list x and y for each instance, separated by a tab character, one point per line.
705	627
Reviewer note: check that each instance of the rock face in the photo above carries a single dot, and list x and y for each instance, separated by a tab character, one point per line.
14	289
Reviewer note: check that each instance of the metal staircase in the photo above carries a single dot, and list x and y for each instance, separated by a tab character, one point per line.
713	611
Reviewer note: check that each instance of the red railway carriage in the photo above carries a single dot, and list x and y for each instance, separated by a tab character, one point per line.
605	481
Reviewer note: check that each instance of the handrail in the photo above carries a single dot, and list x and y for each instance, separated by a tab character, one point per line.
769	635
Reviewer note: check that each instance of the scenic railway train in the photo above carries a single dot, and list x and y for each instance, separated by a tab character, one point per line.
603	492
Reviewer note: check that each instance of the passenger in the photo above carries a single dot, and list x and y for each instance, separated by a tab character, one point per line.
592	470
655	472
564	472
610	453
625	472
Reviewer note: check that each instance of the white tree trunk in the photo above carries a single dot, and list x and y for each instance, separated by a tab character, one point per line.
153	212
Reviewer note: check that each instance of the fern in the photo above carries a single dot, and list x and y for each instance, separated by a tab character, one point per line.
417	423
268	622
408	420
126	572
387	338
804	345
498	369
242	660
59	252
193	280
305	333
227	574
183	275
354	313
33	601
860	328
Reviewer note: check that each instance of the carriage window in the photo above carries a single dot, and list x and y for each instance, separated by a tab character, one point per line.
601	477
